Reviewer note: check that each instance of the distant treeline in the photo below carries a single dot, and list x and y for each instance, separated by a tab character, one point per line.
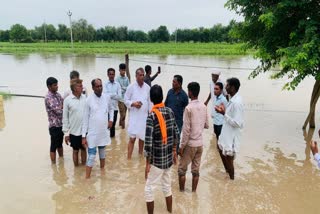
84	32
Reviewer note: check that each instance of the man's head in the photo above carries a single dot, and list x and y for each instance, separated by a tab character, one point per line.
111	74
52	84
218	87
233	85
74	75
156	95
215	76
140	76
177	82
147	68
193	90
97	86
122	69
76	86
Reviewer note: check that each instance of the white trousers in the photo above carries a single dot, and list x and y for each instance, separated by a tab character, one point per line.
154	176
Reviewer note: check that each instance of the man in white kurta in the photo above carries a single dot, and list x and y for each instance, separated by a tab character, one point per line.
97	121
137	99
229	140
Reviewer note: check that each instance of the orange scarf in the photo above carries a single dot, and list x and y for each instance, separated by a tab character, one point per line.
162	122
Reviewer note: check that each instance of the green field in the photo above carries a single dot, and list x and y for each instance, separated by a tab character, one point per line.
125	47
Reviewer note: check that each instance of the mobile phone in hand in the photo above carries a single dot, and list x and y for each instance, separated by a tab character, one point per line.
159	69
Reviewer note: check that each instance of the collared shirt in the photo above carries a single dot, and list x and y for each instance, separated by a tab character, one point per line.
67	93
97	113
73	110
229	140
217	117
195	119
54	104
177	102
159	154
213	97
113	89
317	158
124	83
148	79
138	117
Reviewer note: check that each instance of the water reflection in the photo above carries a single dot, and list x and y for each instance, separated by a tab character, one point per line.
2	118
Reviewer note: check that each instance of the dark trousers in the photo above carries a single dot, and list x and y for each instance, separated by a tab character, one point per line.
113	128
217	130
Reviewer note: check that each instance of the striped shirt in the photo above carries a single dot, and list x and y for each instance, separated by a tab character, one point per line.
159	154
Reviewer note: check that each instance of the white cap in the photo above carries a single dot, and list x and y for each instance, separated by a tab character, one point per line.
216	72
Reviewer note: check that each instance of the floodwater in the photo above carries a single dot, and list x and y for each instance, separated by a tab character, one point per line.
274	170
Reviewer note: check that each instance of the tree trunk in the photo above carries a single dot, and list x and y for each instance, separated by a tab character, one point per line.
313	102
127	67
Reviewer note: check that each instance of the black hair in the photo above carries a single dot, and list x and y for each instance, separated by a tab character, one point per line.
74	74
147	68
122	66
139	69
219	84
51	81
156	95
179	78
194	88
93	82
234	82
111	69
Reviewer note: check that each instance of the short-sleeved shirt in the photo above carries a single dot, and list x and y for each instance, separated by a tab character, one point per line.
218	118
177	102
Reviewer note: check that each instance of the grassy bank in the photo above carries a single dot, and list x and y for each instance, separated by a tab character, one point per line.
125	47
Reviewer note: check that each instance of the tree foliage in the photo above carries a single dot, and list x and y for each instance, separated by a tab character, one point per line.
18	33
85	32
285	33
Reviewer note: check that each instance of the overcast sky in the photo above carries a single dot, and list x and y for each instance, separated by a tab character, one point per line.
136	14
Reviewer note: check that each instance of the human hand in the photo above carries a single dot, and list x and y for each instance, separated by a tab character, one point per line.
314	147
137	104
220	109
180	152
175	158
67	139
84	142
110	124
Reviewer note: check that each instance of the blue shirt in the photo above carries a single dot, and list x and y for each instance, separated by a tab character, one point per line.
217	117
124	83
177	102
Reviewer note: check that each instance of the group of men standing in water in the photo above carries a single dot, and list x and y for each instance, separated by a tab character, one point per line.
164	129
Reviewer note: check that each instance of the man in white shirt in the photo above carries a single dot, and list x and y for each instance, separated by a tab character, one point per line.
229	140
73	109
314	150
97	121
137	99
73	76
113	89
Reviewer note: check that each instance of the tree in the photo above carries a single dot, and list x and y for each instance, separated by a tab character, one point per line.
4	35
82	31
18	33
63	32
285	33
161	34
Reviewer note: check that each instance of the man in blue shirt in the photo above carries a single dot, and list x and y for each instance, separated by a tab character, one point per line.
218	118
177	100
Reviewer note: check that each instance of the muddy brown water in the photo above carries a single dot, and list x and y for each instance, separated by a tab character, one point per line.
275	172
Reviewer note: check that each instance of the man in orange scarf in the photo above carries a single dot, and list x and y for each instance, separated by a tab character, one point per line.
162	134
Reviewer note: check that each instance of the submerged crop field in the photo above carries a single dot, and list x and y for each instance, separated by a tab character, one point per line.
126	47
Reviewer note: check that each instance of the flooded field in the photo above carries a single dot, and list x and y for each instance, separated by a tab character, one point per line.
275	172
